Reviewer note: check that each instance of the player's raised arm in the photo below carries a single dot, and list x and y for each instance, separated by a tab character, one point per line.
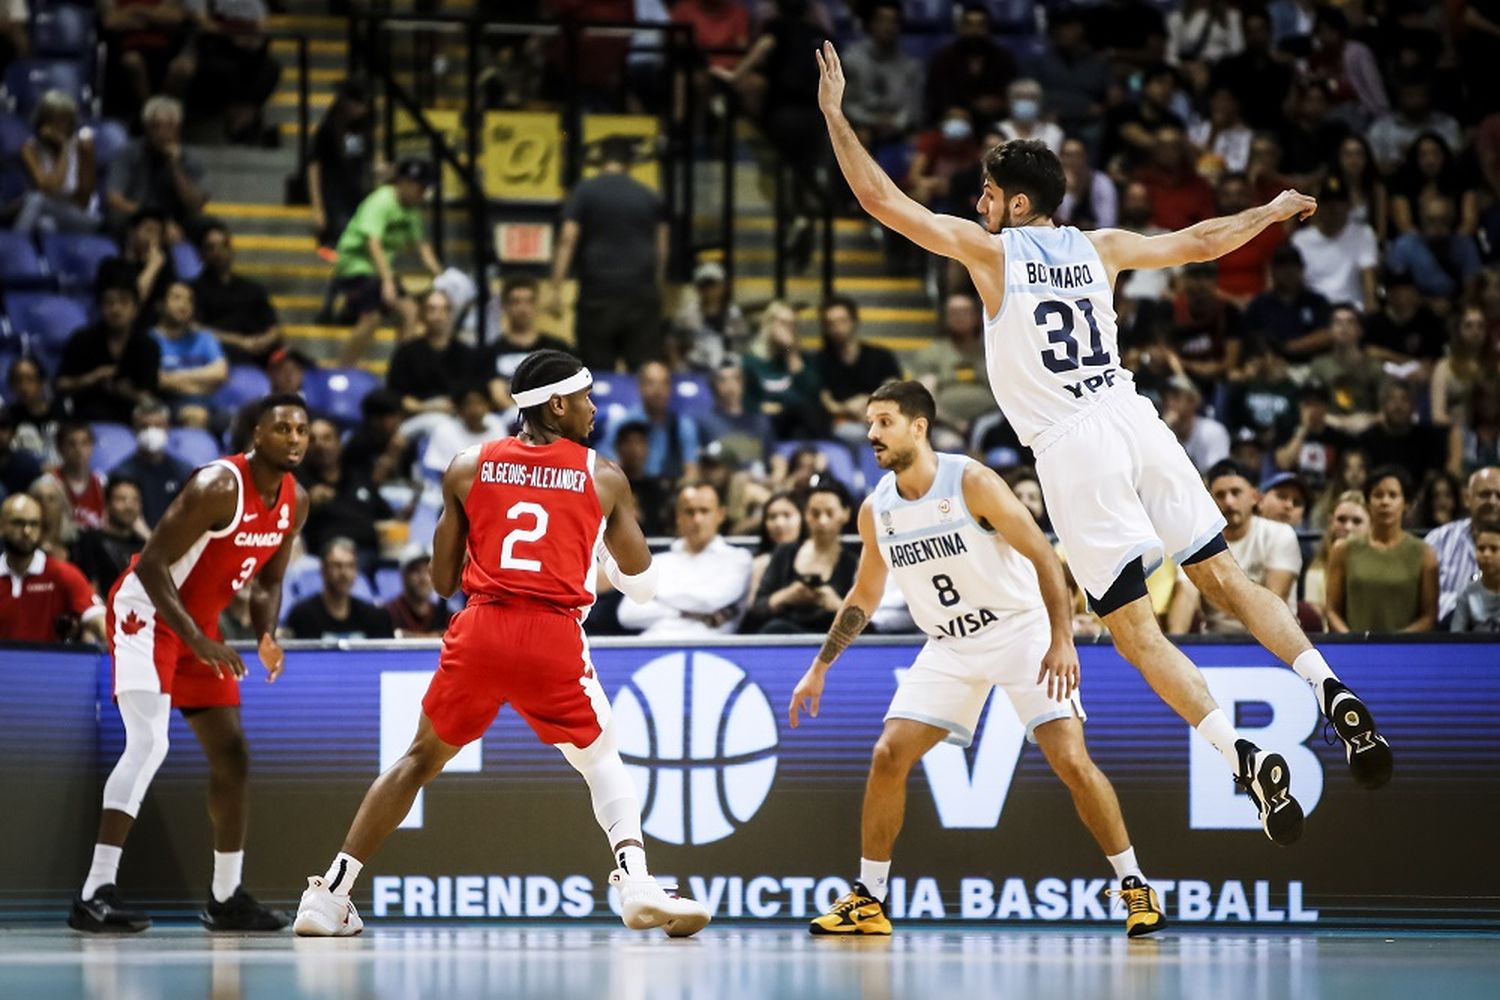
853	615
878	195
450	538
627	557
1121	250
207	503
993	503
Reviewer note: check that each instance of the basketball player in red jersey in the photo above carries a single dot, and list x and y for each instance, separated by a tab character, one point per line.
522	521
232	526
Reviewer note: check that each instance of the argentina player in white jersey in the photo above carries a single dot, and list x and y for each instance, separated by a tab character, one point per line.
989	592
1120	490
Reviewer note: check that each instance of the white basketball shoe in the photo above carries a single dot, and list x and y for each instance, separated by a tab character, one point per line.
645	904
325	914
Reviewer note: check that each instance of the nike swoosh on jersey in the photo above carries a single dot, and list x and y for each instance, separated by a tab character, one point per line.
248	518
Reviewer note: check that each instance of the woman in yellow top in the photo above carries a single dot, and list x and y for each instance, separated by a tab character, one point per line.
1387	580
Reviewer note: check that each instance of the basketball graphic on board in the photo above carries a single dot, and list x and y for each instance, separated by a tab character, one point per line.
699	738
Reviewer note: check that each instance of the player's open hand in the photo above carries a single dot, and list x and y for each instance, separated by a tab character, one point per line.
273	656
830	80
1291	204
1060	669
806	695
218	656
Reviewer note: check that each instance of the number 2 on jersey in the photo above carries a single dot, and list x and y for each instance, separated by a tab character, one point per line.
1062	336
508	557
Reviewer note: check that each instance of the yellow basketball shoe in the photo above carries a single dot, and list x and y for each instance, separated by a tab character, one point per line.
858	912
1143	912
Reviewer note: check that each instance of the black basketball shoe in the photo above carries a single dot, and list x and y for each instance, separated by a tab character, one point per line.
1368	753
241	912
104	913
1269	781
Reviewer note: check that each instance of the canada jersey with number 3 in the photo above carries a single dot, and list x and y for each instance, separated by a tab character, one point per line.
535	523
1052	353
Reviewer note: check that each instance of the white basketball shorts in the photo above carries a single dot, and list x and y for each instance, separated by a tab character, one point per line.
950	681
1118	488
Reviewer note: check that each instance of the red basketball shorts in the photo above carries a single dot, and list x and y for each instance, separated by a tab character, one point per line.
535	659
148	656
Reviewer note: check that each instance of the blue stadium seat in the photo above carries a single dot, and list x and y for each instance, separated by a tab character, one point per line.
185	258
869	469
337	392
63	30
839	461
8	356
113	443
305	579
692	395
20	266
615	395
45	321
75	257
13	183
193	445
26	80
14	131
246	383
110	137
387	584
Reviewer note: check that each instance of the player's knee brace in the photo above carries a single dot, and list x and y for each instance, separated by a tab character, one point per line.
610	786
146	715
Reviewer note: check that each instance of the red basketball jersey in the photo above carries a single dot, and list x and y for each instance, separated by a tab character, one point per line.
534	525
221	562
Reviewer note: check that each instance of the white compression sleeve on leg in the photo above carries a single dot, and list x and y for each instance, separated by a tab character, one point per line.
616	807
146	714
640	588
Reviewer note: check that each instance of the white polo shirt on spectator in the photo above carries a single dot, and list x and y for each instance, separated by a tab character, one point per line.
692	584
1334	265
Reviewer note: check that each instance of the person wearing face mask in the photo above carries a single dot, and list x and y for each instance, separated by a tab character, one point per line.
944	153
157	473
1025	121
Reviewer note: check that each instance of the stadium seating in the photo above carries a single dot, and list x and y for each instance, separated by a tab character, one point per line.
26	80
692	395
44	321
113	443
837	455
336	393
305	579
387	584
14	131
192	445
869	469
20	266
185	258
63	30
110	137
75	257
246	383
615	395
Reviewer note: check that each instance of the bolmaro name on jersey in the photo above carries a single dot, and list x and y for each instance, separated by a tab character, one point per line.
940	547
542	477
1066	276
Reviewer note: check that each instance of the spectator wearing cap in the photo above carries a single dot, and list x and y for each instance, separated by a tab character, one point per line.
387	222
335	613
744	435
156	173
1352	375
1442	262
104	552
1397	439
158	473
235	309
425	371
111	365
43	598
1284	498
1454	543
1405	329
1262	395
341	504
883	95
1243	271
708	327
1205	440
1265	548
416	611
850	368
192	362
519	336
1316	444
286	368
471	422
615	230
1205	328
1340	255
1289	315
19	468
674	438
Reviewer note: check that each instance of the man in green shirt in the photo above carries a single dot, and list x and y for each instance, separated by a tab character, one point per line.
386	223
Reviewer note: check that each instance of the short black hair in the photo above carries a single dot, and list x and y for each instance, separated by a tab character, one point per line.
116	481
115	275
211	224
1396	472
518	283
276	399
840	302
379	402
697	484
1228	467
631	428
911	397
537	369
1026	166
828	483
617	149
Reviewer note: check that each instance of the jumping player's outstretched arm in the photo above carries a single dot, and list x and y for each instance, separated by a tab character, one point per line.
854	614
950	236
450	538
993	503
207	503
1121	250
265	594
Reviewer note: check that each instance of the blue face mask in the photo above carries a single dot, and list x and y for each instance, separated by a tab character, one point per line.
1025	109
957	130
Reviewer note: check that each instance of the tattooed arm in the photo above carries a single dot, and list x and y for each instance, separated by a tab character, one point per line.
854	614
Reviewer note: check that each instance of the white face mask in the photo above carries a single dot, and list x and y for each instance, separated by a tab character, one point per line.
1024	109
152	440
957	130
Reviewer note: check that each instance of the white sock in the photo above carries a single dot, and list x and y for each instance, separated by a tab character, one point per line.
228	867
1216	729
104	869
1125	864
632	860
876	876
341	874
1311	667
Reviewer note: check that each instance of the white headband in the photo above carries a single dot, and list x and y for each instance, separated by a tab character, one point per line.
581	379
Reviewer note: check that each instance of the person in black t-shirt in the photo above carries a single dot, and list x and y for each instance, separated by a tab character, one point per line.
427	371
335	613
104	552
376	451
851	369
340	503
338	171
112	364
234	309
1396	440
519	336
1405	329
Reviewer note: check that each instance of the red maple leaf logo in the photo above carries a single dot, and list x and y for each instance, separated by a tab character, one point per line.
132	624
